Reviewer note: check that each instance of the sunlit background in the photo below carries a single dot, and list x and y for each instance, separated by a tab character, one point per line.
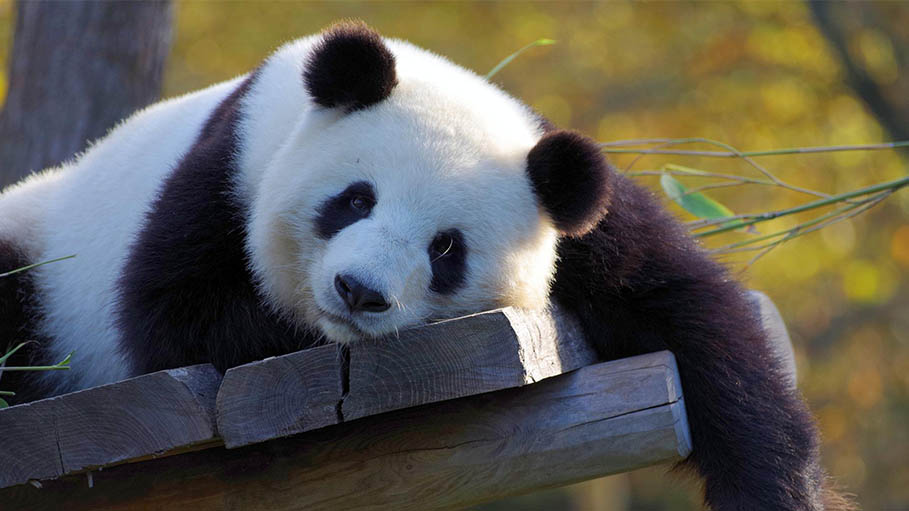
755	75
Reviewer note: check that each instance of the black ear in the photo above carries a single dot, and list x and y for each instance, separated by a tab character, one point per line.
350	68
572	180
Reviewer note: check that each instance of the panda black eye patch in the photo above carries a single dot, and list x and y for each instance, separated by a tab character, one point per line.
448	258
346	208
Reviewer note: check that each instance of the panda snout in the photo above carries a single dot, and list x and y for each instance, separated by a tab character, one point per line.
358	297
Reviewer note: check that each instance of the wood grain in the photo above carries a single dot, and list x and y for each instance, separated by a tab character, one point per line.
481	353
280	396
463	357
173	412
104	425
598	420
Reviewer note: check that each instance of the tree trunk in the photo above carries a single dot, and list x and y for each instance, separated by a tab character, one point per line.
76	68
840	23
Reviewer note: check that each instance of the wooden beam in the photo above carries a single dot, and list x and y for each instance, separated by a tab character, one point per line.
173	412
598	420
464	357
472	355
104	425
280	396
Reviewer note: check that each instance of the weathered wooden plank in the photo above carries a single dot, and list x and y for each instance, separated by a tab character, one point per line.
103	425
280	396
310	389
299	392
29	448
598	420
463	357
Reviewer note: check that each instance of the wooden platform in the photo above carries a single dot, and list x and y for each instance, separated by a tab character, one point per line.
442	417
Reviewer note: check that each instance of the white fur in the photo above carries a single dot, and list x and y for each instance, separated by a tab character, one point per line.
445	150
93	207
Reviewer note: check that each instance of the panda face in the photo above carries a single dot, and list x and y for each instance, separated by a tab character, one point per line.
409	190
388	217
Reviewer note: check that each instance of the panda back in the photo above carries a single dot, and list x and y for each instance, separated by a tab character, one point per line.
94	210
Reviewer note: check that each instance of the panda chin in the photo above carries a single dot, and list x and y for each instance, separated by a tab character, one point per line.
339	331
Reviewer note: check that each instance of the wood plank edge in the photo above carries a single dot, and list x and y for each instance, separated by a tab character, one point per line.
198	383
682	431
176	451
285	449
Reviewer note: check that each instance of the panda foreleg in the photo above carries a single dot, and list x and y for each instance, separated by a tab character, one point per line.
639	284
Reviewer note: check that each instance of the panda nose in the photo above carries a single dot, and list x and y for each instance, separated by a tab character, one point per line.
359	297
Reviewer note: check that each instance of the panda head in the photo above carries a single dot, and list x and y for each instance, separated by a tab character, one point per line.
413	190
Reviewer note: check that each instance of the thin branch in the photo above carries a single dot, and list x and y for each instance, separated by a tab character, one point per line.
10	353
712	186
715	175
42	263
34	368
507	60
710	222
62	365
852	203
636	141
766	173
661	144
731	154
890	185
796	234
734	247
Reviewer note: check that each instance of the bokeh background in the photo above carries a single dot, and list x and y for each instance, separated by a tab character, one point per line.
757	75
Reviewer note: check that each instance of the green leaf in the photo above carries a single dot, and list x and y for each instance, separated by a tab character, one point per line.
507	60
696	203
3	403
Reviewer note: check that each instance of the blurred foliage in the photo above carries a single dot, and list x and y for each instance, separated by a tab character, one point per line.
756	75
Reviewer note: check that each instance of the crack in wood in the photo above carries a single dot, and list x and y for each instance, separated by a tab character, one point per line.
440	448
616	416
57	443
344	379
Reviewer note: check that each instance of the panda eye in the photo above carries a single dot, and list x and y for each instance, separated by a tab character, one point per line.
362	203
448	258
442	245
346	208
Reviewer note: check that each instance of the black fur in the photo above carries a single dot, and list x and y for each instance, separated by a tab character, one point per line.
570	178
640	284
634	278
449	261
19	317
338	212
350	68
186	293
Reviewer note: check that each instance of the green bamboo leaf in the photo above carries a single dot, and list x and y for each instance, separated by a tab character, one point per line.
3	403
507	60
697	203
65	362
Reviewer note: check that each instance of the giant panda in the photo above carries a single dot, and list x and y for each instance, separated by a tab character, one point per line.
352	186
